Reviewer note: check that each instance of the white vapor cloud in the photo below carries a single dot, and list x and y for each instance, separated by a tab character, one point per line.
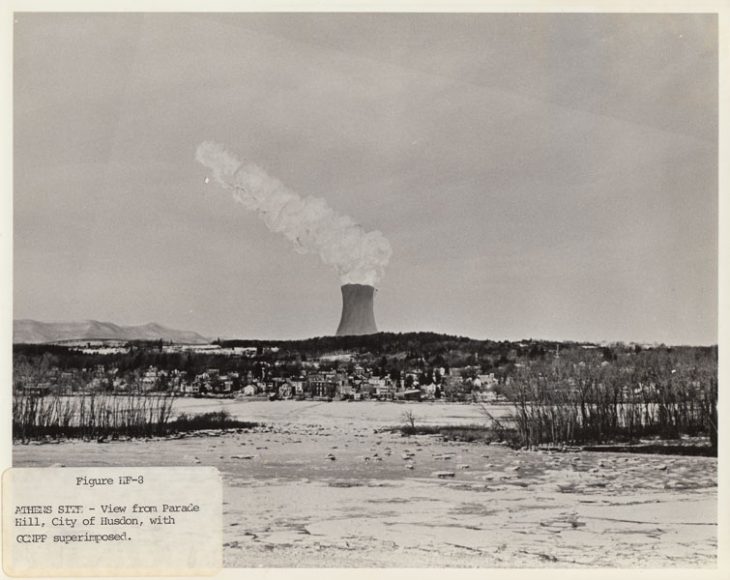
360	257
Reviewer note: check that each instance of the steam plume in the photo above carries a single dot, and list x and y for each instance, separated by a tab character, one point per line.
359	257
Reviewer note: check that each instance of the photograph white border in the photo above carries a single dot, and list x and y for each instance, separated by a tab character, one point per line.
721	7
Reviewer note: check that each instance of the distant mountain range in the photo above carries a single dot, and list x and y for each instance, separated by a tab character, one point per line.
32	331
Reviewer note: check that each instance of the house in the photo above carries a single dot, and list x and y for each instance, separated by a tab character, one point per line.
189	388
39	390
486	382
275	384
484	396
151	379
98	384
454	387
383	387
326	385
249	390
222	384
365	390
119	384
428	391
346	391
176	379
297	385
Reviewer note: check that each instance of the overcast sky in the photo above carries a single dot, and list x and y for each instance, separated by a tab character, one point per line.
546	176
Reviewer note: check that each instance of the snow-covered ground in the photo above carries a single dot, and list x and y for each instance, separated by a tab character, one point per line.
321	487
361	413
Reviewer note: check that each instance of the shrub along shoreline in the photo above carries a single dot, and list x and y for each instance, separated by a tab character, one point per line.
512	432
104	417
488	435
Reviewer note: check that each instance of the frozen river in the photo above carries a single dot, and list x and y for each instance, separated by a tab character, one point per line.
373	414
321	485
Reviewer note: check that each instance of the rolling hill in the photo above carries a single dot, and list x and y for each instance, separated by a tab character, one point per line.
32	331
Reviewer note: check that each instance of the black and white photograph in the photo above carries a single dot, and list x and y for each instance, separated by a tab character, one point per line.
428	289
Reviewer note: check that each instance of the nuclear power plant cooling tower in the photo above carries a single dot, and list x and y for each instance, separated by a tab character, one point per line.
358	316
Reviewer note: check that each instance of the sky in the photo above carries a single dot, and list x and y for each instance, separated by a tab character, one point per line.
544	176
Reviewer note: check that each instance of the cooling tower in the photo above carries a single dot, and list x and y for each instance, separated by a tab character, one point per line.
358	316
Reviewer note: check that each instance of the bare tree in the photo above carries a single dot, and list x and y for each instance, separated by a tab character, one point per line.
409	417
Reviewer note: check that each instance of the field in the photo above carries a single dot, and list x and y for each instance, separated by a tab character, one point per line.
324	485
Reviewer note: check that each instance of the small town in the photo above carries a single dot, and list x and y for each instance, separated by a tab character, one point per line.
330	377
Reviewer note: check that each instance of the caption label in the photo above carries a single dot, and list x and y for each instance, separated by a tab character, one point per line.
112	521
